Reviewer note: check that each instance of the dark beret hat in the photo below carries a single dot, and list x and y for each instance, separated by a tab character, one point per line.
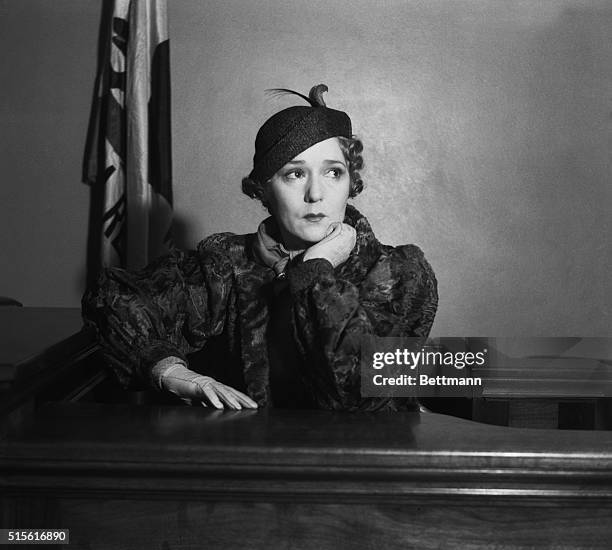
293	130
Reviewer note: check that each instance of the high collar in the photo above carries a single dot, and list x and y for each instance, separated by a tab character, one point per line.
269	251
267	248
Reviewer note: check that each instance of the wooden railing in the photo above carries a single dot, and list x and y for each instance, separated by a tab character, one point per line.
131	476
121	476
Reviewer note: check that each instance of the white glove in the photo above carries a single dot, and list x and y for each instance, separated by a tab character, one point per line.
336	246
191	386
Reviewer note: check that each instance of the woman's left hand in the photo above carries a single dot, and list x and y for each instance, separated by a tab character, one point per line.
191	386
336	246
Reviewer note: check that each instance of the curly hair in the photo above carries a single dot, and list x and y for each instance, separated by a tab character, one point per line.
351	149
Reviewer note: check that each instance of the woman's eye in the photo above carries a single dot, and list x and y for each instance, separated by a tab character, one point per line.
294	174
335	172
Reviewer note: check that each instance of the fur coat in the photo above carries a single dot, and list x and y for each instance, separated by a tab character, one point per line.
218	298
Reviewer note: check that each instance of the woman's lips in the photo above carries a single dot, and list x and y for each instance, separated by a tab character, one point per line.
314	217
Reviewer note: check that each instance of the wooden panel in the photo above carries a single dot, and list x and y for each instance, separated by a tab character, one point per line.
137	524
130	477
44	355
572	414
26	332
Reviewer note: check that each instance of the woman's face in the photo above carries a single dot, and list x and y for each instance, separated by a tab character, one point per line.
309	193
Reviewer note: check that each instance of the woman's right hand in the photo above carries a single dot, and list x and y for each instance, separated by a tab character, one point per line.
336	246
192	386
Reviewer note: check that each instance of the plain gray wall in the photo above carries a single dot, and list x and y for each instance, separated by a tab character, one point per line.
486	125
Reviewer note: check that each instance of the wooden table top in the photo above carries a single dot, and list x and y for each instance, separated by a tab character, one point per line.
117	448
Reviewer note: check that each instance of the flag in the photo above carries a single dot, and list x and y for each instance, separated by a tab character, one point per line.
128	154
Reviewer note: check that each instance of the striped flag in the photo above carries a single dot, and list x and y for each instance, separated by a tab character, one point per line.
128	156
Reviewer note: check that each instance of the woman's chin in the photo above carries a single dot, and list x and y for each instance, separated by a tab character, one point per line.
307	234
312	235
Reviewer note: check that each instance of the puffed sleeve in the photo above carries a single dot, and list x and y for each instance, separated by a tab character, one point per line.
170	308
398	298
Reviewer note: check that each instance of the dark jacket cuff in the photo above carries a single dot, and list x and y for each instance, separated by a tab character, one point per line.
301	275
155	352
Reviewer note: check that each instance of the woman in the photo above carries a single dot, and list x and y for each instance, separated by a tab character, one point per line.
286	308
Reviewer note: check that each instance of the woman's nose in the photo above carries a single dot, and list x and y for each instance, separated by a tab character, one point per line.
314	190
